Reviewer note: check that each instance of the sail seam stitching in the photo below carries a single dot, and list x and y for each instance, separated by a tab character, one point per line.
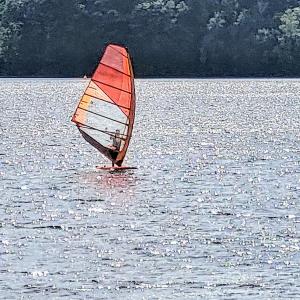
101	63
112	103
92	112
112	86
118	51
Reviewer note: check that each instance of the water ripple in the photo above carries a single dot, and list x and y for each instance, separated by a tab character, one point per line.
211	212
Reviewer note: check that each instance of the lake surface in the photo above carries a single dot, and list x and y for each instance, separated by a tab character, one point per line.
212	212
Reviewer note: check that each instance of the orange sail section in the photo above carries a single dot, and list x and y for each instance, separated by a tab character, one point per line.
105	113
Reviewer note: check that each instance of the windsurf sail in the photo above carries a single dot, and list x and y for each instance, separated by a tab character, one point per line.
105	113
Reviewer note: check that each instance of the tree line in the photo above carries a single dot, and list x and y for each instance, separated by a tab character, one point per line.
167	38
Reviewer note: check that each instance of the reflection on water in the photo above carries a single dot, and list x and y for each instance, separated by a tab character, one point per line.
119	185
211	212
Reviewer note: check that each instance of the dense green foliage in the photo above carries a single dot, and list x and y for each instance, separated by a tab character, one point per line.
166	37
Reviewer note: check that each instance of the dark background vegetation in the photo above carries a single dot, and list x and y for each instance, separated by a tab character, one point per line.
169	38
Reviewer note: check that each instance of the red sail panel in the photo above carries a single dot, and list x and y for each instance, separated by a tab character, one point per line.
107	107
121	98
114	77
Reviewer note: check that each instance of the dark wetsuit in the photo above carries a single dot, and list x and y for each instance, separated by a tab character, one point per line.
116	147
117	143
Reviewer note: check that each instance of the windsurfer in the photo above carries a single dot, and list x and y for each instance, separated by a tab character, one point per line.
116	145
107	104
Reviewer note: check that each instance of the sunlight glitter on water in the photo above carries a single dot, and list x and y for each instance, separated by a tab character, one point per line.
211	212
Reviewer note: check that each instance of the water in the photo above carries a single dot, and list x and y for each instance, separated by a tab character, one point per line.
212	212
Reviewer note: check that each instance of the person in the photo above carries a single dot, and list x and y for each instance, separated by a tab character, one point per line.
116	145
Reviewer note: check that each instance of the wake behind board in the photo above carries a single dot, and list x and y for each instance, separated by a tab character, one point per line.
110	168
